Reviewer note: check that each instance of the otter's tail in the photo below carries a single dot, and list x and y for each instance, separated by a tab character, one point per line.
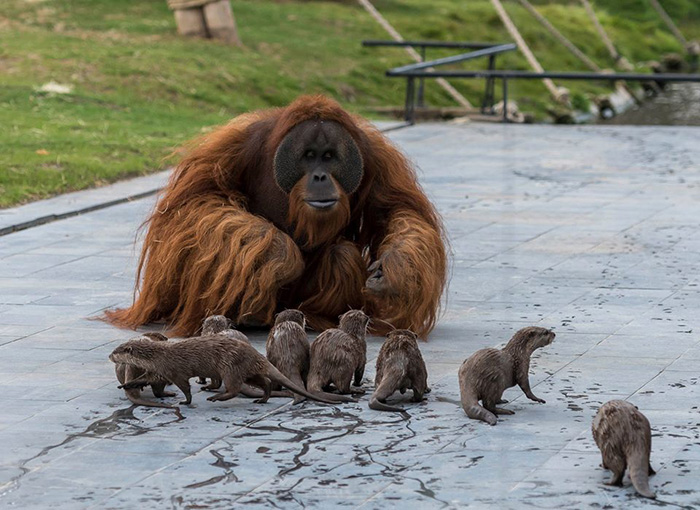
386	388
278	377
315	386
375	404
471	406
639	474
135	397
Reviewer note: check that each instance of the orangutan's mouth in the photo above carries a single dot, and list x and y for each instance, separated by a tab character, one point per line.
322	204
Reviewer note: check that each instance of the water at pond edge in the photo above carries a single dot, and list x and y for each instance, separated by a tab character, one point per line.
677	105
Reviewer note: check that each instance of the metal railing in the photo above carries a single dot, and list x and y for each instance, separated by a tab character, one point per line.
483	49
426	69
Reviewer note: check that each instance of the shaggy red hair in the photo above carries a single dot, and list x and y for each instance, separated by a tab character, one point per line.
206	252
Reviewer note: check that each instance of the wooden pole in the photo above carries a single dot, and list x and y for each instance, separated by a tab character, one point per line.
413	53
669	22
522	45
560	37
621	61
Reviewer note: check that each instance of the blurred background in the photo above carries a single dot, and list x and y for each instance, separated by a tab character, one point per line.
96	90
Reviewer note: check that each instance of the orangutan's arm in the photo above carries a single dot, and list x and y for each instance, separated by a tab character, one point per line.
407	278
211	256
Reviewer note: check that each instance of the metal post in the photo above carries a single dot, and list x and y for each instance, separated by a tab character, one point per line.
487	103
505	99
421	83
410	100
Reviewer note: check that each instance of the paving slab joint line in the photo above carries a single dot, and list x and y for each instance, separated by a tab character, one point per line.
100	504
50	218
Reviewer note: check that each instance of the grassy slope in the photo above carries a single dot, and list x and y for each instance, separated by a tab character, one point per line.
139	90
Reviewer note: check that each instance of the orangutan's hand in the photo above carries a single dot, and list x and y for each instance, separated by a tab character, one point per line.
377	283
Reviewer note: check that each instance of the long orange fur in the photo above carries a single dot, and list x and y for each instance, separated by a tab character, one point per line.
205	253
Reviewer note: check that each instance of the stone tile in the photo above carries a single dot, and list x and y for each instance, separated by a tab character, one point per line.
581	229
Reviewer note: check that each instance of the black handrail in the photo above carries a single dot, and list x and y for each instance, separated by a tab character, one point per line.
486	52
505	75
426	69
432	44
482	49
560	75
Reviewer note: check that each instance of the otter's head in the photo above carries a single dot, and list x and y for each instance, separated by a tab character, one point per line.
405	333
534	337
138	351
156	337
291	315
354	322
215	324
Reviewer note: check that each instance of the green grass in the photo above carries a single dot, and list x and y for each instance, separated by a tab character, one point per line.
139	90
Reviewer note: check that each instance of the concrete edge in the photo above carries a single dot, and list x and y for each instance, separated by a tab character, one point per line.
80	202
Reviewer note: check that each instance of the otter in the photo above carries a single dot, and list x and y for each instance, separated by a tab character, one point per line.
126	373
400	365
340	353
217	324
487	373
236	362
221	325
287	349
623	435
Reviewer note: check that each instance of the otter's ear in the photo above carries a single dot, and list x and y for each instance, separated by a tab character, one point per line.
159	337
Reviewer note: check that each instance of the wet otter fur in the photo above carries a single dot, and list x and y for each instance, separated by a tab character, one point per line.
288	349
339	354
220	325
623	435
487	373
217	324
400	366
235	362
127	373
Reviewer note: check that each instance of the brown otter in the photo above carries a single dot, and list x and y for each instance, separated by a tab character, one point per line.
339	354
400	365
216	324
488	372
287	349
219	324
126	373
219	357
623	435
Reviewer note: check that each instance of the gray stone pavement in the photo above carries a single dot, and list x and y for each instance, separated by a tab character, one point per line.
593	231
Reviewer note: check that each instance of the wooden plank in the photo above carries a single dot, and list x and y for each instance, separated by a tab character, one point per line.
220	22
190	22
